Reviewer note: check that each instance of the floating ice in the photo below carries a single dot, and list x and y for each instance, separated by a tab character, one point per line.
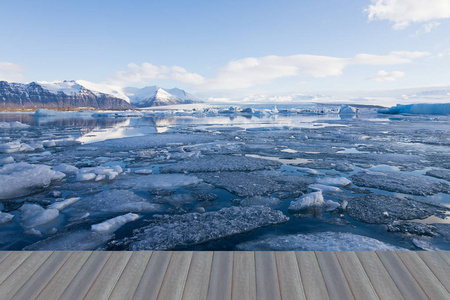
307	201
347	110
157	181
331	205
6	160
21	179
15	146
383	209
325	188
419	108
72	240
111	225
63	204
144	171
13	125
334	181
216	163
5	218
442	174
65	168
411	228
307	170
98	173
33	215
115	201
400	183
258	200
179	200
322	241
167	232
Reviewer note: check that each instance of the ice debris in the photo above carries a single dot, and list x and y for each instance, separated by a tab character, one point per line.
322	241
306	202
373	208
334	181
216	163
22	179
167	232
400	183
13	125
63	204
65	168
179	200
7	160
5	218
98	173
33	215
111	225
157	181
115	201
258	200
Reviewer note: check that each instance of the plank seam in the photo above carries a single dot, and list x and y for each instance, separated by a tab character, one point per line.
418	282
57	273
443	257
165	274
278	277
16	268
345	276
96	278
140	279
209	282
65	261
321	272
111	290
446	288
232	272
390	275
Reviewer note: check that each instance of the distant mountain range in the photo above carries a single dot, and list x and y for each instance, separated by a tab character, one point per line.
81	93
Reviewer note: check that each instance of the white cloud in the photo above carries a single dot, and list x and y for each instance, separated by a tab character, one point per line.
251	71
405	12
383	76
146	72
11	72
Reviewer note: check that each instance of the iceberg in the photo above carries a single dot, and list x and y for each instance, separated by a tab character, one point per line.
22	179
419	108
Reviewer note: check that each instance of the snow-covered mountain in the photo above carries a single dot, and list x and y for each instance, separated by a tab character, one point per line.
156	96
81	93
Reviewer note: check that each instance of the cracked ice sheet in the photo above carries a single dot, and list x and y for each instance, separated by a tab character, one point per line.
400	183
167	232
114	201
215	163
157	181
322	241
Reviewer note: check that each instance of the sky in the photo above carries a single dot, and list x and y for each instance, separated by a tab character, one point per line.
229	49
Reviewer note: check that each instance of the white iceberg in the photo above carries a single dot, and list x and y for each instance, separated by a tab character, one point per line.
111	225
22	179
419	108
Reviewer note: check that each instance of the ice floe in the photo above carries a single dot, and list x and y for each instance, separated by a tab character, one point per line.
13	125
179	200
223	163
72	240
33	215
5	218
321	241
115	201
383	209
157	181
307	202
111	225
334	181
167	232
63	204
442	174
400	183
419	108
21	179
258	200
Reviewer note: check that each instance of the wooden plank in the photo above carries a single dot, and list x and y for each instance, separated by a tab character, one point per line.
311	276
423	275
333	275
356	276
173	284
401	276
81	283
57	285
244	276
289	276
153	276
221	277
3	254
197	282
103	285
38	280
379	276
438	266
445	256
267	286
129	280
11	262
20	275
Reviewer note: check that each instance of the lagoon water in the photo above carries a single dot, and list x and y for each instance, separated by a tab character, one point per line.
62	173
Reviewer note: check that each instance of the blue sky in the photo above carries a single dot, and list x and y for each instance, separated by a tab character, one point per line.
229	48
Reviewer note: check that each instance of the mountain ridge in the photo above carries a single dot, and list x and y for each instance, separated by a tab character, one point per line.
81	93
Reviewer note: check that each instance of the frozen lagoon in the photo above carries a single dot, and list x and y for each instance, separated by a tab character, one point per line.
224	179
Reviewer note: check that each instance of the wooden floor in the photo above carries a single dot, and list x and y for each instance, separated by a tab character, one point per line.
224	275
